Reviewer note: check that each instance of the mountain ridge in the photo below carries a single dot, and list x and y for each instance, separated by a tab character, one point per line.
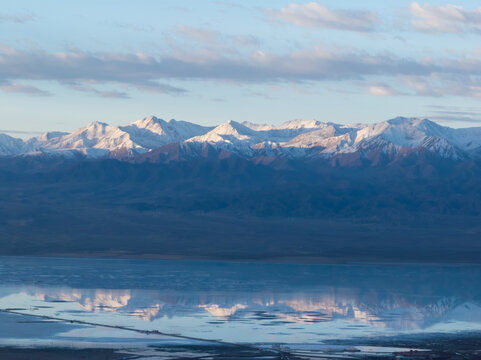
296	139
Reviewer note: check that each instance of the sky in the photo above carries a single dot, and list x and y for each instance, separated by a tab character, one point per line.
65	64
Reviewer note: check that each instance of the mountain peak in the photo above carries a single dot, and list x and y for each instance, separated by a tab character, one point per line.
401	120
414	121
52	134
149	121
228	133
232	127
96	124
258	127
232	124
11	146
300	123
94	129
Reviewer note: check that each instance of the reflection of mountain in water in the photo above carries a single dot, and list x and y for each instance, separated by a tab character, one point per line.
193	297
357	306
223	313
89	300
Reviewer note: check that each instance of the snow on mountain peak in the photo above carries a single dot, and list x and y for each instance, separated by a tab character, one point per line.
402	120
232	127
95	126
151	123
229	132
328	138
152	132
301	124
85	137
296	138
11	146
258	127
49	135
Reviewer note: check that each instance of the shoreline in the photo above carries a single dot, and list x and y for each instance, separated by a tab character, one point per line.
429	346
294	260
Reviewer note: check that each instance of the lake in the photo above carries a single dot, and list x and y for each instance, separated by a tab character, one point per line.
255	303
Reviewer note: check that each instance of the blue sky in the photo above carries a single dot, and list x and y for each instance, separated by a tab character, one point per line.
65	64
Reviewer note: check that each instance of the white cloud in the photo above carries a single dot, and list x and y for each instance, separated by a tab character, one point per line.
447	113
23	88
314	14
446	85
422	86
212	40
102	93
448	18
379	89
104	73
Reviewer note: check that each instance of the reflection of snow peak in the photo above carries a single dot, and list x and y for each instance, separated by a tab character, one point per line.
330	309
395	313
147	314
109	300
217	311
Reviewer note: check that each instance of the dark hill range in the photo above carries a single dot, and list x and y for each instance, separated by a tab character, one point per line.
171	202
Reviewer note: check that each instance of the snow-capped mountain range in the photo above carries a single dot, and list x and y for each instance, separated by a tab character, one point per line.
293	139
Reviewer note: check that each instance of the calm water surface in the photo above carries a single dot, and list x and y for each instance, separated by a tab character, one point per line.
238	302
